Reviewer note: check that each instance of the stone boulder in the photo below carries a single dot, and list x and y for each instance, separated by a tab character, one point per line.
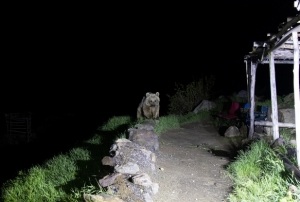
232	131
127	153
147	125
204	105
286	115
134	163
145	138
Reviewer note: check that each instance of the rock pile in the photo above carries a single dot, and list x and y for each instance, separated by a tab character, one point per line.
134	166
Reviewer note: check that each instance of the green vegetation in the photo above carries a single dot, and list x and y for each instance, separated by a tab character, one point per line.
67	177
57	180
115	122
286	135
186	98
174	121
259	175
280	100
64	177
257	172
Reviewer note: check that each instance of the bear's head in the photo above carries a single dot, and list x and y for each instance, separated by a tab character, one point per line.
152	99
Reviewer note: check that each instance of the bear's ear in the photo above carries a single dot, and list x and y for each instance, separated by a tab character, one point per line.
147	94
157	93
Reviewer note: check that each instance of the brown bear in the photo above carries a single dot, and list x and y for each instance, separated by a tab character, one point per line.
149	107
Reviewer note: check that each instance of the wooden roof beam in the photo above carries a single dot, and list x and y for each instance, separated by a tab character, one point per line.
283	40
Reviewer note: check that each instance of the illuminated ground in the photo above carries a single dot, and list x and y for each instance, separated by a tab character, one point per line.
192	163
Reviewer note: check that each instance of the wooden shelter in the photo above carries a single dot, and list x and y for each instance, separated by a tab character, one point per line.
281	48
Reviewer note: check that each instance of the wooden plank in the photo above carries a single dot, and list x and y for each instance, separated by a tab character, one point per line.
282	36
278	62
286	28
285	37
273	96
287	46
296	94
281	125
17	131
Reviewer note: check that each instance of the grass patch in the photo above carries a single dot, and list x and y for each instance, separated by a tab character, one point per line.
174	121
115	122
167	123
259	175
257	172
65	177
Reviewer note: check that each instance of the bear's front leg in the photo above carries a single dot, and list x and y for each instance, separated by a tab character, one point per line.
156	113
147	112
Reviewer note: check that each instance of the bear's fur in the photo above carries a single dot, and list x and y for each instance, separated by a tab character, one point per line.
149	106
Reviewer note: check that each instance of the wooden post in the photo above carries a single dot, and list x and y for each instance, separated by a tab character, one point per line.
246	62
248	72
296	93
252	97
273	96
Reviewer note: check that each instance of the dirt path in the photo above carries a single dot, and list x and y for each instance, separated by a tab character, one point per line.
192	163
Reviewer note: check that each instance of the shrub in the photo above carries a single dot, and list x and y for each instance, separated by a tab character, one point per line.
186	98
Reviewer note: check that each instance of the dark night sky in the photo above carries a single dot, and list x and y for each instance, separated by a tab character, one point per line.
93	57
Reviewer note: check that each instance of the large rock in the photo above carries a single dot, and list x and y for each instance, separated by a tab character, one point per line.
145	138
134	162
125	152
232	131
146	125
242	94
205	105
142	179
286	115
128	168
278	142
109	179
108	161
